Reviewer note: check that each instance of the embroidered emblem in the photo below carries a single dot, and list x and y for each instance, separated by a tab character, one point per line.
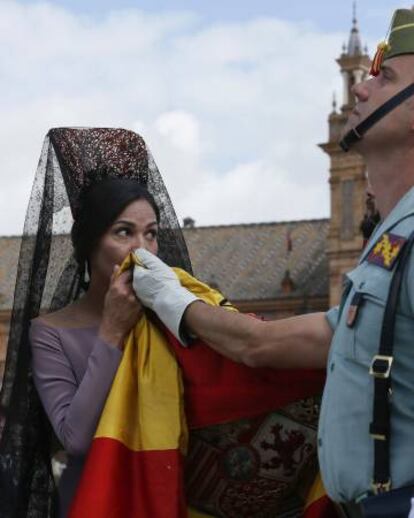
251	468
386	250
288	448
241	462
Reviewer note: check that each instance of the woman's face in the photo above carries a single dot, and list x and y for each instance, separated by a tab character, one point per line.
135	227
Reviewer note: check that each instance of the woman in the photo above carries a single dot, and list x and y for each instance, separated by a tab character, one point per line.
49	277
76	350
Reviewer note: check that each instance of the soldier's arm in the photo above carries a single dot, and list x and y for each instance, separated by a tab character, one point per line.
301	342
298	342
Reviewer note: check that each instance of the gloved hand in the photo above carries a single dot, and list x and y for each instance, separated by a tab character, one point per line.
157	287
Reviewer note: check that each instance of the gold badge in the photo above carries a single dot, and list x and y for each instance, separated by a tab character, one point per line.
386	250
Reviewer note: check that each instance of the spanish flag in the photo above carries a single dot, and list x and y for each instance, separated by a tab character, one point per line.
135	463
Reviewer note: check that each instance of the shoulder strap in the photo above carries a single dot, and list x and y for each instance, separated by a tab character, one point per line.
381	371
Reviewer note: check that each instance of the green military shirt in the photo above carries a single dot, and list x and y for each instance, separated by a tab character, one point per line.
344	444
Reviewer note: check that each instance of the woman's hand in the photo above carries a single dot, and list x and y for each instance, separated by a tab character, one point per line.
121	309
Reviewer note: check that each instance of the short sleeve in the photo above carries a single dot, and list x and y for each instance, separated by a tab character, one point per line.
332	316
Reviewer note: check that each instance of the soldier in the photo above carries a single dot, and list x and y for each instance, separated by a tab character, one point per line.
365	437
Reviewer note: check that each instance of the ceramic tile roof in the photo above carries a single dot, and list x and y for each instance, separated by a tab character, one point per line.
247	262
9	252
9	255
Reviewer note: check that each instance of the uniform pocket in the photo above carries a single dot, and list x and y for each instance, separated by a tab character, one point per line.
373	292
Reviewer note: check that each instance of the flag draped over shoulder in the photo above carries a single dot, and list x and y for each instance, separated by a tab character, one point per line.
135	466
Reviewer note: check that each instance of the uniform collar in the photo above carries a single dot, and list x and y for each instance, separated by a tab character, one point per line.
404	208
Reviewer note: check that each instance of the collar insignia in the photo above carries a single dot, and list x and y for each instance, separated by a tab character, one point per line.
386	250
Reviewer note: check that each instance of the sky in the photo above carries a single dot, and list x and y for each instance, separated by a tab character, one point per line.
231	97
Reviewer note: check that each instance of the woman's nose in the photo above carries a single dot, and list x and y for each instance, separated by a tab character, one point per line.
138	242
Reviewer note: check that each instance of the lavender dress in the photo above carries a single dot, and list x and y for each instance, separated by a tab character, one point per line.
73	370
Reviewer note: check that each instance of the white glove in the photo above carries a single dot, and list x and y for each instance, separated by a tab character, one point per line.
157	287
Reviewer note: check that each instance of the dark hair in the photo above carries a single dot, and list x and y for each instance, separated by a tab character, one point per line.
100	204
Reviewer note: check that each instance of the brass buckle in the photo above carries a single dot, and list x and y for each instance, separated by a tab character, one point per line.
381	487
356	133
378	436
381	358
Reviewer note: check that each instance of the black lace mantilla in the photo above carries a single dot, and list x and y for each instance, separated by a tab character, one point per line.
48	278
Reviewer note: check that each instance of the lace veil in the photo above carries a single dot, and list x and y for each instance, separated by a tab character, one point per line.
48	278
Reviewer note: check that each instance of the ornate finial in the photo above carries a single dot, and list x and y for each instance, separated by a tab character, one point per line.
344	48
289	243
366	49
188	222
334	104
287	283
354	44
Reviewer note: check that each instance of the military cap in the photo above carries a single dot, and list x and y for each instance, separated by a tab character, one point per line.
400	39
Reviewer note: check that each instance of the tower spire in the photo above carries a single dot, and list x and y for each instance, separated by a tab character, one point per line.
354	43
354	62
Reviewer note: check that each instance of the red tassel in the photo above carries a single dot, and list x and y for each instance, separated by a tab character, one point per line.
382	48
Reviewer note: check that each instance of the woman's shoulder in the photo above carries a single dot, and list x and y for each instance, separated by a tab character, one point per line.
51	329
70	317
44	332
58	319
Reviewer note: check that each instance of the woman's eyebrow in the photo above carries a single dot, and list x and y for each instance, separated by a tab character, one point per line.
152	223
124	222
132	224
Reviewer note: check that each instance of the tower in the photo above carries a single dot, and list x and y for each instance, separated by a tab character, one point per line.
347	170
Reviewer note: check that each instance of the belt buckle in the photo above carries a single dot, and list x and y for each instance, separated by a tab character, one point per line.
381	487
376	370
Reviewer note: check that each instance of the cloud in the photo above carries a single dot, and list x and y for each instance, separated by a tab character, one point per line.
251	189
181	129
232	111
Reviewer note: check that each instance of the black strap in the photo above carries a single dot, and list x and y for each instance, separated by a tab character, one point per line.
381	371
357	133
